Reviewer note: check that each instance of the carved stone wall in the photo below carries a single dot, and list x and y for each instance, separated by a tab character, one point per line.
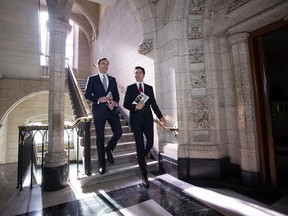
200	100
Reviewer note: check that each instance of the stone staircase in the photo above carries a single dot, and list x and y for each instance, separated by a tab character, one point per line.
125	161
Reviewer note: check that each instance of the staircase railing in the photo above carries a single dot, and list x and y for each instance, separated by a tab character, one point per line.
79	102
27	152
81	110
174	130
26	156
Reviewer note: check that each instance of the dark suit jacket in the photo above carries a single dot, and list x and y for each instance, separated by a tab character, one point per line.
131	93
94	90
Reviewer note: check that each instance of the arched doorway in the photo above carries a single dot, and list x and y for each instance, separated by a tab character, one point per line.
269	51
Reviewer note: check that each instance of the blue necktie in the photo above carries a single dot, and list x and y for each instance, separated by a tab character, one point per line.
104	82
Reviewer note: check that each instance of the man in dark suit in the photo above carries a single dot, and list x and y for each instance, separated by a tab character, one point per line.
141	118
102	90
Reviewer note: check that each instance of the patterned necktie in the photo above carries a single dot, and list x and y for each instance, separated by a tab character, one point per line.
140	87
104	82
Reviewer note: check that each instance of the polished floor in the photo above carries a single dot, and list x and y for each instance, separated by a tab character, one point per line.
126	196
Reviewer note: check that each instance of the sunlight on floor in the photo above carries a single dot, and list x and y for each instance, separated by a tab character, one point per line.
234	205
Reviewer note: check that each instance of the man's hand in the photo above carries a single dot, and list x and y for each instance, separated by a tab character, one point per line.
163	120
102	100
139	106
111	104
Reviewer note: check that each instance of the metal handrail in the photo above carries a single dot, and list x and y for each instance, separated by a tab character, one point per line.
78	121
168	129
80	93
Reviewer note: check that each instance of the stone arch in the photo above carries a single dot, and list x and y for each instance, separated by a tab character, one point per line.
23	90
13	102
90	12
143	10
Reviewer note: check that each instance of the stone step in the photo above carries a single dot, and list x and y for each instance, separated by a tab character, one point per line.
115	171
121	148
126	137
108	131
119	157
123	122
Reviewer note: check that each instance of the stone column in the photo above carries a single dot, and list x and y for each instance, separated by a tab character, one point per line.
245	109
55	172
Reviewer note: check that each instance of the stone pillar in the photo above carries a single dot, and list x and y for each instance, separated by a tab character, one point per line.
55	171
245	109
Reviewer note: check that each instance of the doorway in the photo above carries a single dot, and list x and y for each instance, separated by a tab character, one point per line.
269	60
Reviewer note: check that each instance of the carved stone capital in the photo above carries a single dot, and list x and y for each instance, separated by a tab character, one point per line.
60	9
145	47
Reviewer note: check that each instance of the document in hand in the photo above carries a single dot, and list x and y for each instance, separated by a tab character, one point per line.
141	98
109	97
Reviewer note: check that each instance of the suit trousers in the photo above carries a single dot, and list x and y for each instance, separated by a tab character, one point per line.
100	121
143	131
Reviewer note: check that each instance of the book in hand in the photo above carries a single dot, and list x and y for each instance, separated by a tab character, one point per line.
141	98
109	97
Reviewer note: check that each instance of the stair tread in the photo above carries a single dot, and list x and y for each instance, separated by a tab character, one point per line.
118	155
112	169
119	143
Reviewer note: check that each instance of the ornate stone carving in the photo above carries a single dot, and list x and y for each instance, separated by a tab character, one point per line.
196	55
145	47
198	79
195	31
196	6
155	1
200	109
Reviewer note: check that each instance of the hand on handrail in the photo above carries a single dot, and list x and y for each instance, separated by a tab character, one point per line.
174	130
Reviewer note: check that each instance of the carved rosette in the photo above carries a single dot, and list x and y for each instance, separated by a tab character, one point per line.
201	117
196	6
195	31
145	47
196	55
198	79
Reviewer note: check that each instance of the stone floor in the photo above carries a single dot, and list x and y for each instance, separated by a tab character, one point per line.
126	196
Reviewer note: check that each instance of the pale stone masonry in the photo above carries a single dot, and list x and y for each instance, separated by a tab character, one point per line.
195	53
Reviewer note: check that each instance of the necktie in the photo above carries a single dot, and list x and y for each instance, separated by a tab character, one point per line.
140	87
104	82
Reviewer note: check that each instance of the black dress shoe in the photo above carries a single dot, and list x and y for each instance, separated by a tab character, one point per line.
109	156
145	182
102	170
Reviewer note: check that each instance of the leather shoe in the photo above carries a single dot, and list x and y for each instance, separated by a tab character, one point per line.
102	170
109	156
145	182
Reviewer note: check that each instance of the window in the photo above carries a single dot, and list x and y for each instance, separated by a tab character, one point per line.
44	35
